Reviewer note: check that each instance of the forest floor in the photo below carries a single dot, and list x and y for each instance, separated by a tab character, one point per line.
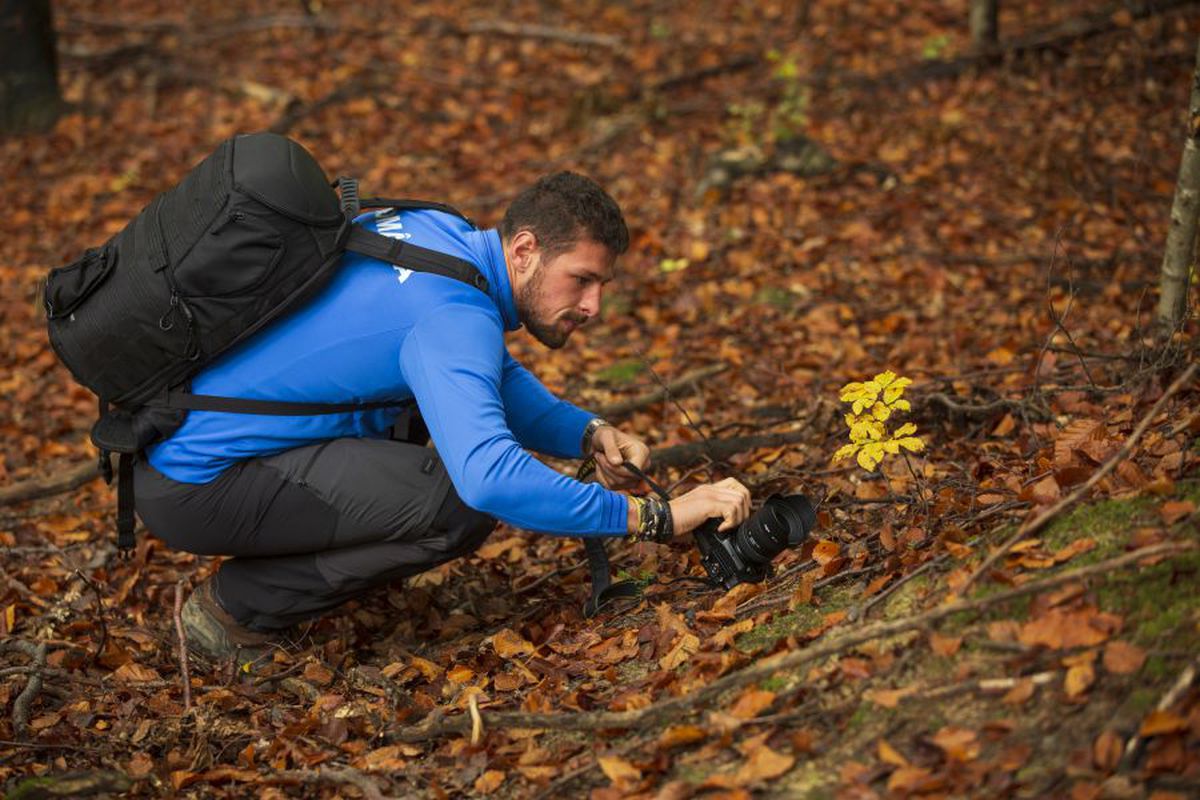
817	193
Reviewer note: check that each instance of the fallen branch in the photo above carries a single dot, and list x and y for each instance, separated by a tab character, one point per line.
183	651
721	449
24	701
516	30
671	709
683	385
58	483
1037	522
1182	684
977	411
363	782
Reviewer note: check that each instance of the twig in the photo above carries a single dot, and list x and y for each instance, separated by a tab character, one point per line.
99	613
590	763
719	449
861	611
982	411
531	31
48	485
183	653
671	709
24	701
1181	685
683	385
1041	519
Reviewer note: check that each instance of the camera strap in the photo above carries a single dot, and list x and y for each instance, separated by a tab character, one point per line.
604	590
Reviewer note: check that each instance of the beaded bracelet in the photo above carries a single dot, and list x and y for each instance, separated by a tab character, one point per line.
654	520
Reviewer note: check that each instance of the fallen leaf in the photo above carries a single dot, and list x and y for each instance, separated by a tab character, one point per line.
959	744
618	770
752	703
911	779
765	764
945	645
1159	723
1174	510
1061	628
1107	750
825	551
318	673
489	781
1123	658
494	549
509	643
1019	693
133	672
140	765
889	698
681	735
875	585
1075	548
1079	679
890	755
684	648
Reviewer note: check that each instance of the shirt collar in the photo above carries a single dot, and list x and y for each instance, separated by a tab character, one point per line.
488	247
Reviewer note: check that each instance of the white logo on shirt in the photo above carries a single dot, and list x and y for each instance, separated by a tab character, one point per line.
392	226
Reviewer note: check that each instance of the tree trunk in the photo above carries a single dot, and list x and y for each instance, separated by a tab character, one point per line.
29	99
984	25
1180	251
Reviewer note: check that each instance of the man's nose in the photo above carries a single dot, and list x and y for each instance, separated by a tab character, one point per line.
590	304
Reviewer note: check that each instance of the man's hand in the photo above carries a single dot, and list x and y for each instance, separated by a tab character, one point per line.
612	449
727	500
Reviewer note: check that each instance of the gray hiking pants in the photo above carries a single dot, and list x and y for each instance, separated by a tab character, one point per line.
312	527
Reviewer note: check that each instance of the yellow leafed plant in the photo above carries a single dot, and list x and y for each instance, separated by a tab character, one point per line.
872	404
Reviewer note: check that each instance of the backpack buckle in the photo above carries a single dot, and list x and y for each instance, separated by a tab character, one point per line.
348	189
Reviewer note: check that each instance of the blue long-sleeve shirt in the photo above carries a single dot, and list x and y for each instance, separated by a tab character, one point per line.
376	333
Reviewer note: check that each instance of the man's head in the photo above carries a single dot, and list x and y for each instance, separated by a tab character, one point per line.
561	240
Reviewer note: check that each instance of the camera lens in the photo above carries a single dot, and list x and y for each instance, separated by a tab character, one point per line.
781	522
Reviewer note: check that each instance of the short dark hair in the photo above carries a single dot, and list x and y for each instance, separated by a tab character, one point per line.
564	208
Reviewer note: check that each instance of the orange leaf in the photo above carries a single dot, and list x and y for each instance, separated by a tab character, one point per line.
1079	679
1019	693
1075	548
489	781
959	744
1174	510
1107	750
752	703
618	770
877	584
318	673
765	764
888	698
509	643
945	645
685	647
1123	658
133	672
911	779
1158	723
1045	491
825	551
891	755
680	735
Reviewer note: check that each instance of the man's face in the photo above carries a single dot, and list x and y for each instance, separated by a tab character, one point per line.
557	296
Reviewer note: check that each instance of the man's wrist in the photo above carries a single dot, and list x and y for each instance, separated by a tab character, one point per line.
589	430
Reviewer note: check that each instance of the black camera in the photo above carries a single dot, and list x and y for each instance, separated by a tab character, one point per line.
744	555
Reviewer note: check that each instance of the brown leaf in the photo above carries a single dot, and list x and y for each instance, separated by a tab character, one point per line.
1123	658
685	647
888	698
874	586
509	643
804	591
752	703
944	645
1060	628
1074	437
911	779
619	771
430	670
494	549
1079	679
1107	750
1019	693
133	672
489	781
1159	723
140	765
1174	510
764	764
1045	491
1075	548
890	755
825	551
681	735
318	673
959	744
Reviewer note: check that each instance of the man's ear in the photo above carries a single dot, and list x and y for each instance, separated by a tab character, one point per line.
524	247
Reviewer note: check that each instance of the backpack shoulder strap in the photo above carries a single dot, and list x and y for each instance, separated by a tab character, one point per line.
414	257
408	204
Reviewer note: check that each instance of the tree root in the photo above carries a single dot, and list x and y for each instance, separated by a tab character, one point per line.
670	710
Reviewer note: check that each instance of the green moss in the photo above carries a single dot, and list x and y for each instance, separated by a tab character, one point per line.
774	296
1108	522
621	372
1158	602
802	619
775	683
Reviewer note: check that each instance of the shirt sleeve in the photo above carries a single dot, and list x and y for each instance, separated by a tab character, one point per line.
539	420
454	361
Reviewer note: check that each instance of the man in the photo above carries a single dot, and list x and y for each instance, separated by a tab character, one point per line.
317	509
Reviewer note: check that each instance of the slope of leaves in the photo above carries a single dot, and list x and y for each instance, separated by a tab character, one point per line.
993	232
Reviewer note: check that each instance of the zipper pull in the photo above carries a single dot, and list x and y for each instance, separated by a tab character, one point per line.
235	216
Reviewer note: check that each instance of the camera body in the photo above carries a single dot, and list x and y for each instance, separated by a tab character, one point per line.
744	555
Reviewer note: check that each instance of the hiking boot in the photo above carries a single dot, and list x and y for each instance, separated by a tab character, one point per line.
211	631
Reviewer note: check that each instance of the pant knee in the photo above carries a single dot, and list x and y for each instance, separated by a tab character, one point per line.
464	529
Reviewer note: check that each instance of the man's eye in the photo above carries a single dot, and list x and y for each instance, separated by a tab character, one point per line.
582	281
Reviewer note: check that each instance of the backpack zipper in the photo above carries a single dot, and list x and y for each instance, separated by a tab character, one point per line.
235	216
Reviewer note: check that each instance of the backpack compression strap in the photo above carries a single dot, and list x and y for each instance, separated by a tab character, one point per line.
414	257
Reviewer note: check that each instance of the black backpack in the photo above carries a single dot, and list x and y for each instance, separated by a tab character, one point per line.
252	231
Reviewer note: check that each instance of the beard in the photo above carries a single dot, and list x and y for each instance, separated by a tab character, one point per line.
548	331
